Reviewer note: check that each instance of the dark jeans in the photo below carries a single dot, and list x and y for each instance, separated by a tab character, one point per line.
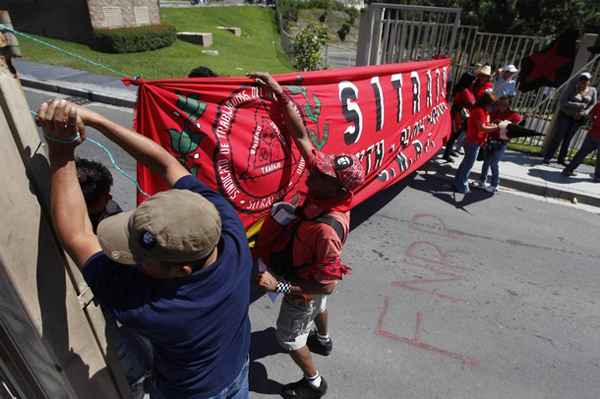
589	145
566	127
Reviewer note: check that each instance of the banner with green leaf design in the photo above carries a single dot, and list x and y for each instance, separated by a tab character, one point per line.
230	135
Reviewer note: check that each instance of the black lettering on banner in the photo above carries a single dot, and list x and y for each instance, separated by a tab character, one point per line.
378	101
397	85
416	91
418	148
444	79
401	160
404	137
368	155
379	152
429	101
437	85
351	111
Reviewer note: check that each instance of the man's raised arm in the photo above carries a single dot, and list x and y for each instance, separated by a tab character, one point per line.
292	119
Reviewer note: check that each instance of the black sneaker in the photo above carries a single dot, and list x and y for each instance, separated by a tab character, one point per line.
568	174
317	347
303	390
546	161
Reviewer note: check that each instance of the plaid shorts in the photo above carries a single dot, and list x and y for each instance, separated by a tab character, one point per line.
295	322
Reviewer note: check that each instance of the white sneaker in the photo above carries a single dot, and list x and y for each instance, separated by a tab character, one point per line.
478	184
492	189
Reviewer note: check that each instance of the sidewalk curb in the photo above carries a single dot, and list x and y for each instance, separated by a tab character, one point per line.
73	91
447	172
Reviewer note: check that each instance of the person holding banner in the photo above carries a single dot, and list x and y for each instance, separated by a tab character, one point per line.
176	269
462	104
479	127
576	100
502	113
316	250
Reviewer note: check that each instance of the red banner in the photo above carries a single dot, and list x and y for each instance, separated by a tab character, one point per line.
393	117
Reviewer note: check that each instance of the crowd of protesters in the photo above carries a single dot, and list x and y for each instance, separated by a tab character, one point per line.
481	103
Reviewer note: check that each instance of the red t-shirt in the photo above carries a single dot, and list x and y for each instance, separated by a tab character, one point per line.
478	90
509	115
478	117
595	129
464	98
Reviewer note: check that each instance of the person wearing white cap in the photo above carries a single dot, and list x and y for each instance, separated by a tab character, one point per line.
176	270
482	83
574	106
506	84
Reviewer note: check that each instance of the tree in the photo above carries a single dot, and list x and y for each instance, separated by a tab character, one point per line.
306	47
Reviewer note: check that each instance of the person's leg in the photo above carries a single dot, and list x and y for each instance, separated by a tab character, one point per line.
562	124
485	169
462	174
589	144
566	141
495	164
460	140
304	360
321	322
448	151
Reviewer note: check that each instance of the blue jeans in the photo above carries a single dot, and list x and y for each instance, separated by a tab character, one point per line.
461	180
566	127
238	389
131	361
493	162
589	145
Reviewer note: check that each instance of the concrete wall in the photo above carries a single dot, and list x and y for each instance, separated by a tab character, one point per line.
74	20
127	10
61	19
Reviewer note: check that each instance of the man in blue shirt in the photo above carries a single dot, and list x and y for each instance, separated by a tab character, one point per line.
176	269
506	84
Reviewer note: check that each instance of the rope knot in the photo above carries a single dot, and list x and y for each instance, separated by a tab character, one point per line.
137	80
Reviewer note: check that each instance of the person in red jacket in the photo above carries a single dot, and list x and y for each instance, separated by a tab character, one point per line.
502	113
477	133
483	82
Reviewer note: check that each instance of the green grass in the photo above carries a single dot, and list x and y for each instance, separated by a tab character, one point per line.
537	151
259	48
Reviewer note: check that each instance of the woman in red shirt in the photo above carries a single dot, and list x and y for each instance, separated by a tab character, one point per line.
462	104
479	127
502	113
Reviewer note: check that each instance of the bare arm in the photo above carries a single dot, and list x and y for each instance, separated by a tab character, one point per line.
67	205
292	119
144	150
298	286
487	128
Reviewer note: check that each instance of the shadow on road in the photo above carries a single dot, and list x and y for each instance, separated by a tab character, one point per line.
263	344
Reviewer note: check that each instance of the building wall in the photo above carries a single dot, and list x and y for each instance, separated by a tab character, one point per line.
74	20
107	13
61	19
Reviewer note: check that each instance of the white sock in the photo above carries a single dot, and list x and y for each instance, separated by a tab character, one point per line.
314	381
324	339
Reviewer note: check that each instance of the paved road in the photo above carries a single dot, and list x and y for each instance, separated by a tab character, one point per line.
452	297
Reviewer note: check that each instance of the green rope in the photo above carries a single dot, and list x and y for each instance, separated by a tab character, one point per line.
105	150
66	52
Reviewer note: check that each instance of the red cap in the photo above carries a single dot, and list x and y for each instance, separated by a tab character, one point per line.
344	167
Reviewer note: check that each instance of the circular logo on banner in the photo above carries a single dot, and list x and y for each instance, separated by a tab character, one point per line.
253	162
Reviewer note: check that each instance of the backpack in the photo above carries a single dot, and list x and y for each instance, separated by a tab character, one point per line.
275	242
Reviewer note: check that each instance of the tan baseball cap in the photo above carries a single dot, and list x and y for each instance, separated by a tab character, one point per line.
173	226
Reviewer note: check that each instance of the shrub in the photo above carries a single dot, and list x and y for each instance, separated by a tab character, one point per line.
343	32
353	13
323	16
134	39
321	4
289	11
306	47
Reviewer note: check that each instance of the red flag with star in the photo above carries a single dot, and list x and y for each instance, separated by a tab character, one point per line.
552	66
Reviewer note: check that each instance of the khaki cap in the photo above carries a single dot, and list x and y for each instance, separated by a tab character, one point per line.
173	226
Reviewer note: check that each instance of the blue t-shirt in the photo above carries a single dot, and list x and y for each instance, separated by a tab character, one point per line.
198	325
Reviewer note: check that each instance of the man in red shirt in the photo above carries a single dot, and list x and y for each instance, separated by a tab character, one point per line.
316	251
591	143
483	83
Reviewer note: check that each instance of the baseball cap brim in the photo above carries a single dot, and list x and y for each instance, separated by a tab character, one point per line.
113	236
325	164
